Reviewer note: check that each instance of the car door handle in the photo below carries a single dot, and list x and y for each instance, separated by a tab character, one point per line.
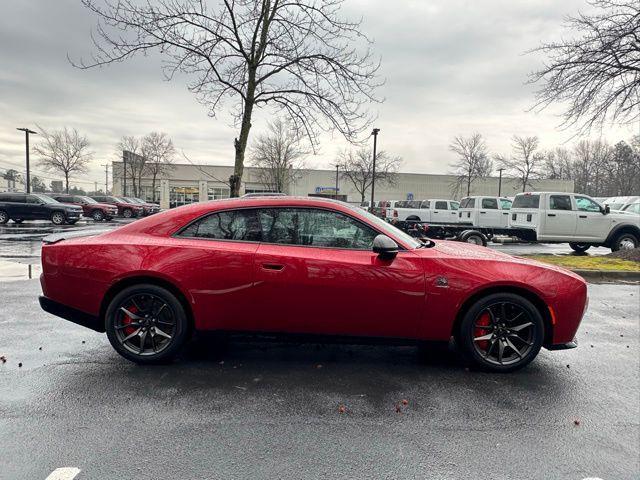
551	214
505	213
272	266
483	212
582	216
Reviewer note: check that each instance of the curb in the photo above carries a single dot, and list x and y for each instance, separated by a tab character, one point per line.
607	274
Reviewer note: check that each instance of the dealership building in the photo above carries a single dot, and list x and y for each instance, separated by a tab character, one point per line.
188	183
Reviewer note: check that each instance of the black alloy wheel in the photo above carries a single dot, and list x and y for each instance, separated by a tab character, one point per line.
502	332
127	213
146	324
4	217
97	215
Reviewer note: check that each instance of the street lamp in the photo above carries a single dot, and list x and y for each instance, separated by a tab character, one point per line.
373	178
500	181
26	138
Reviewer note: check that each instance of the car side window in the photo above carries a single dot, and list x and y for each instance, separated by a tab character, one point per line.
230	225
490	203
505	204
585	204
315	228
454	205
33	200
441	205
426	204
560	202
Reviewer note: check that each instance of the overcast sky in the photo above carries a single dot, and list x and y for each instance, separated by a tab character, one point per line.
452	67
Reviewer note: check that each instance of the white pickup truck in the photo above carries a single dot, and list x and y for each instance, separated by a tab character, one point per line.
437	211
574	218
485	212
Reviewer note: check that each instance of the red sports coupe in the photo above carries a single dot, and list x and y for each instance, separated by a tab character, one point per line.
286	265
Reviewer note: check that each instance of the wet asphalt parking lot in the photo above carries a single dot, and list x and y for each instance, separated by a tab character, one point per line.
258	410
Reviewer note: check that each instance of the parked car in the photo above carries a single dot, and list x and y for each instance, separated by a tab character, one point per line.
428	211
303	266
90	208
632	208
576	219
20	206
485	211
147	208
125	209
618	203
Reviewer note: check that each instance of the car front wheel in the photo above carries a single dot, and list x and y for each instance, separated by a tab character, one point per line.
4	217
624	241
97	215
146	324
58	218
502	332
127	213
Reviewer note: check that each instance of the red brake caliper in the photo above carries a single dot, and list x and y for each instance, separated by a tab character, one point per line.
127	320
484	320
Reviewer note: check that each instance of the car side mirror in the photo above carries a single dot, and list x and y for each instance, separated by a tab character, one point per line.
385	247
605	210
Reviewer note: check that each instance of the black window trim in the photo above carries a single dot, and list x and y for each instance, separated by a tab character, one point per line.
262	242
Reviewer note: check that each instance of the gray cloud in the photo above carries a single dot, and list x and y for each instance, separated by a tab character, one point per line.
452	67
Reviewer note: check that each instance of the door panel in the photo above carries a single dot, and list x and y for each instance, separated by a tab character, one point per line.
591	223
337	292
489	215
559	219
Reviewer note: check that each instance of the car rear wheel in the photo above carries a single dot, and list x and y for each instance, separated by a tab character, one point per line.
97	215
502	332
58	218
146	324
624	241
4	216
579	247
127	213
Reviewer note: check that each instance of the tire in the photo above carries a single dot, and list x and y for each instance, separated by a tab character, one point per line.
72	222
579	247
58	218
127	213
165	314
4	217
413	218
485	353
624	241
18	220
475	238
97	215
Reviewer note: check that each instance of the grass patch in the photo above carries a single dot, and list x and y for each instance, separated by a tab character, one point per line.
587	262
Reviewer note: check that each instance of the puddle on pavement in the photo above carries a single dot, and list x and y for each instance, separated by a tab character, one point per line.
11	271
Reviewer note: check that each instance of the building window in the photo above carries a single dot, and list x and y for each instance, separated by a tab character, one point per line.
147	195
179	196
216	193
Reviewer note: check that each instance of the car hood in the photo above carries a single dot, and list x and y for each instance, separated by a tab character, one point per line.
468	251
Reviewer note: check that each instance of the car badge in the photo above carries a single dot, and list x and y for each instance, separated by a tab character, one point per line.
442	282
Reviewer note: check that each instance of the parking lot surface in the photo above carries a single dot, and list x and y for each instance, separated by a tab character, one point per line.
258	410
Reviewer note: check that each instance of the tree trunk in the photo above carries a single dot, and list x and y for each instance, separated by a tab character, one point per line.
153	188
469	185
240	143
66	181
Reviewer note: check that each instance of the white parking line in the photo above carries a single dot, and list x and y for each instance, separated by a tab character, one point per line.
64	473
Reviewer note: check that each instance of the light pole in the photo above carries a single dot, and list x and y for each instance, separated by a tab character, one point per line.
337	173
373	177
500	182
26	139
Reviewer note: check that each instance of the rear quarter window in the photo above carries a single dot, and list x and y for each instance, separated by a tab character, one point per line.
526	201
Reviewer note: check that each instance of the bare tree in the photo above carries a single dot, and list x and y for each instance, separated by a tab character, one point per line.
357	168
298	57
558	164
158	152
525	161
624	168
64	151
278	154
129	151
595	67
473	161
592	169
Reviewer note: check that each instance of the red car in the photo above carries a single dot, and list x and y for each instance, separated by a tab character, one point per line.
285	265
125	209
90	208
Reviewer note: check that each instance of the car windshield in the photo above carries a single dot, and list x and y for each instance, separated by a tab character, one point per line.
87	199
121	200
387	228
130	200
46	199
